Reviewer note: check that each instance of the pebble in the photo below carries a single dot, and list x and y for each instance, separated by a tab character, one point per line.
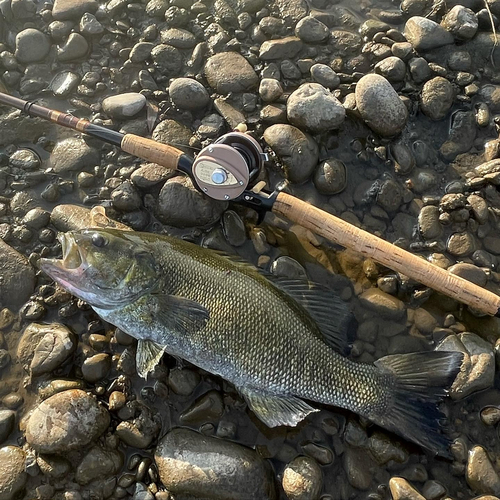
428	222
380	106
12	474
225	469
183	382
392	68
382	303
18	278
401	489
98	463
311	30
172	132
302	479
80	420
312	107
433	490
490	415
462	135
90	26
286	267
233	228
187	93
230	72
167	59
178	38
330	177
139	432
461	22
478	368
384	449
324	75
73	154
181	205
270	89
207	408
297	151
359	468
149	175
124	106
461	244
126	197
283	48
53	466
479	208
25	158
75	47
32	46
470	273
72	9
425	34
480	474
56	345
437	98
7	421
96	367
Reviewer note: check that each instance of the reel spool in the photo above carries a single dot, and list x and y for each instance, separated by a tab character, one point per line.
224	169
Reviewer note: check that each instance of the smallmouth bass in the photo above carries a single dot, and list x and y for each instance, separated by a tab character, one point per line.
280	342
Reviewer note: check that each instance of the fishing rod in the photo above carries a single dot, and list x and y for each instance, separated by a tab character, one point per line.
226	169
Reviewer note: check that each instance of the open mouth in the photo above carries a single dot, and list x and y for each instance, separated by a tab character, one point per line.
71	254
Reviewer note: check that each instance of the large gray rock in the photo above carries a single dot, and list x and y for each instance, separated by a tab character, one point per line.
191	464
66	421
296	150
17	278
31	46
380	106
12	474
314	108
73	154
425	34
181	205
230	72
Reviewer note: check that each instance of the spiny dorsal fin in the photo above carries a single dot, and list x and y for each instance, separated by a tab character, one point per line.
275	410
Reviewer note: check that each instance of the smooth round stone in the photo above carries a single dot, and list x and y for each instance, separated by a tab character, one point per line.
187	93
282	48
437	98
212	468
479	208
311	30
24	158
73	154
126	197
419	69
66	421
286	267
392	68
401	489
480	474
415	7
382	303
314	108
380	106
401	50
207	408
297	151
425	34
470	273
138	433
230	72
75	48
428	222
167	59
490	415
12	474
179	38
330	177
302	479
141	52
324	75
233	228
461	244
270	89
96	367
461	22
32	46
64	83
98	463
72	9
124	106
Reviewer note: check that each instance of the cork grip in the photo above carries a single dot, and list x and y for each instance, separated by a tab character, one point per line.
349	236
150	150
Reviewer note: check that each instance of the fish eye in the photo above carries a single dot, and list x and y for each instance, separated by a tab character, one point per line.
98	240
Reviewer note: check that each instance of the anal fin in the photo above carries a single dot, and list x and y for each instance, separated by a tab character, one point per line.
147	356
275	410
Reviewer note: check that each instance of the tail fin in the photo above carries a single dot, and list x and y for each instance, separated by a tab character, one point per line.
419	381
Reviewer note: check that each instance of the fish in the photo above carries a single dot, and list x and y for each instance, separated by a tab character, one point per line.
281	342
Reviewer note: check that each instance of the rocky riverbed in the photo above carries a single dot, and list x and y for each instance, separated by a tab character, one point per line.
382	113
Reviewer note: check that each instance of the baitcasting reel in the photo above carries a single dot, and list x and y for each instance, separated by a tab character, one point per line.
225	169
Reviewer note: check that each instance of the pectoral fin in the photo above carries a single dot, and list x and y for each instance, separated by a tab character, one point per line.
147	356
275	410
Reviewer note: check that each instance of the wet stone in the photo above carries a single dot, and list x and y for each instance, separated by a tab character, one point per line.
437	98
141	52
480	473
207	408
311	30
382	303
428	222
179	38
233	228
312	107
72	9
116	401
17	278
491	96
433	490
380	106
80	421
180	205
470	273
98	463
167	59
490	415
187	93
90	26
73	154
75	47
230	72
286	267
324	75
226	470
462	135
302	479
330	177
96	367
425	34
358	468
126	197
31	46
183	381
7	422
36	218
384	449
26	159
53	466
401	489
12	474
172	132
479	208
124	106
461	244
321	454
461	22
297	151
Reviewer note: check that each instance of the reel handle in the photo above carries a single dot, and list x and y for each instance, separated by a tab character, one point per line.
391	256
155	152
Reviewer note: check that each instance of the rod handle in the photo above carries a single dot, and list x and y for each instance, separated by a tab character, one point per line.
152	151
391	256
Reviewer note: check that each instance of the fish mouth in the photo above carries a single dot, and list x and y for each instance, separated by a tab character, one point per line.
72	258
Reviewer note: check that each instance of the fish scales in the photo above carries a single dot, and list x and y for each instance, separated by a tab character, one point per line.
272	343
